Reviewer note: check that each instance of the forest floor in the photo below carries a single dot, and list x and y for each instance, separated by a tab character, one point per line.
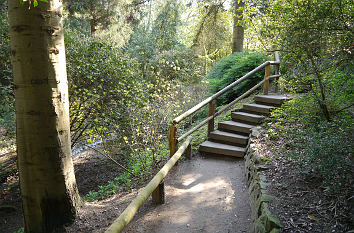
301	203
202	195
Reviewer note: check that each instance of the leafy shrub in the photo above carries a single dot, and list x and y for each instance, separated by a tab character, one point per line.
231	68
176	64
102	84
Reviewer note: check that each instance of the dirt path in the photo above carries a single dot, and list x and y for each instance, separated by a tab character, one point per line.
202	195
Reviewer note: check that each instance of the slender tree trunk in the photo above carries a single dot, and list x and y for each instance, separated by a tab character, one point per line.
92	27
238	30
47	179
322	101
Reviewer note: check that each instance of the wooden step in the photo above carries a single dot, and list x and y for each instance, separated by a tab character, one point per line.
236	127
222	149
259	108
277	100
227	137
248	117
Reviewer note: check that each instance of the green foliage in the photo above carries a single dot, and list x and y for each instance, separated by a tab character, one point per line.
21	230
231	68
102	84
176	64
118	184
96	13
7	111
164	29
141	167
317	37
324	150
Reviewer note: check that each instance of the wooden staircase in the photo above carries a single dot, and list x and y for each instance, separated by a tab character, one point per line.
232	136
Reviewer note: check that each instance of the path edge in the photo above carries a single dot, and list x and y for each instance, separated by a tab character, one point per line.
264	220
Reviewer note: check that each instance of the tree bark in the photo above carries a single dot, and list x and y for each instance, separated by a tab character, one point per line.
47	180
238	30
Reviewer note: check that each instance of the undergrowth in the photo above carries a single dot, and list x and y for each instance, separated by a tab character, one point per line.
140	172
323	150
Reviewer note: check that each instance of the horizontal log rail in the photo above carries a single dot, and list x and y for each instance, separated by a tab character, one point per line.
139	200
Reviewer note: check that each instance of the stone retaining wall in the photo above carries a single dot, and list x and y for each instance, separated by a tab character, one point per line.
264	221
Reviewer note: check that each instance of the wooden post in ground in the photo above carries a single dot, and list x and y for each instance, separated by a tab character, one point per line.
211	113
172	139
188	152
158	195
266	83
276	71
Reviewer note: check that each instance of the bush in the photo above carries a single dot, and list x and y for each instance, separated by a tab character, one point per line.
103	83
231	68
176	64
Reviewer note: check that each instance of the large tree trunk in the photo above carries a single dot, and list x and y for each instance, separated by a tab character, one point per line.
47	179
238	30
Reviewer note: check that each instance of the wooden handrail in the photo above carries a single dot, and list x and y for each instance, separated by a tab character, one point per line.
139	200
216	95
227	107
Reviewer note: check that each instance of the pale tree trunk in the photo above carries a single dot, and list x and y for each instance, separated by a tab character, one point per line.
238	30
47	179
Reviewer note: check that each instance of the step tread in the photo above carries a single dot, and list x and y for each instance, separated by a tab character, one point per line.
227	134
278	97
222	146
249	115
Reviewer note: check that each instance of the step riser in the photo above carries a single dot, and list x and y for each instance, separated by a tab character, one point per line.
228	140
222	151
257	109
233	128
253	112
268	104
269	100
253	120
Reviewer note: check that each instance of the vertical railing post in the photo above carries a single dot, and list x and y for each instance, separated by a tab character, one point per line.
266	83
188	152
276	70
158	195
172	139
211	113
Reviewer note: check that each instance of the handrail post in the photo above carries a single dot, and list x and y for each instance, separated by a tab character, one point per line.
276	71
188	152
158	195
266	83
172	139
211	113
